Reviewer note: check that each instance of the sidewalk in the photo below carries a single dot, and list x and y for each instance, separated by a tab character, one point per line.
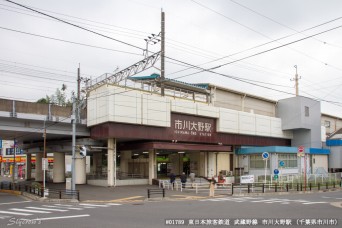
134	193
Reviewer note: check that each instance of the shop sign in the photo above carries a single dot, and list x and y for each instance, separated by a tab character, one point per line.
0	158
247	179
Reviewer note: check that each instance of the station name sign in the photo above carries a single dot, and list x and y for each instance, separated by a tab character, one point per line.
194	126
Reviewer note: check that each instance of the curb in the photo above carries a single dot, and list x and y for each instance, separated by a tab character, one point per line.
41	199
13	192
286	193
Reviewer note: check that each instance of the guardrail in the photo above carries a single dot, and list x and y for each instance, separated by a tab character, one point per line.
40	191
155	191
282	187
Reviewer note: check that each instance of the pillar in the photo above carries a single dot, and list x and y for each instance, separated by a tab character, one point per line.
152	166
97	163
58	167
211	164
80	169
28	169
111	159
39	168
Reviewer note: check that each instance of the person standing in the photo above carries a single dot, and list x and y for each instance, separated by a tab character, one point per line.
192	179
183	179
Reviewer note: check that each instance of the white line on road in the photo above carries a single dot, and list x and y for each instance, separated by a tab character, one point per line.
63	217
314	202
14	213
114	204
69	208
93	205
27	210
47	209
15	202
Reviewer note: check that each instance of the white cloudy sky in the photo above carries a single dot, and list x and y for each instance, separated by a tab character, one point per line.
197	32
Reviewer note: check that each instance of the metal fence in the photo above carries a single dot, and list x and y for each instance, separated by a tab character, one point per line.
40	191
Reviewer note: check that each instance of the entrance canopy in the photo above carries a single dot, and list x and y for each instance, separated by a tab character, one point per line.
174	146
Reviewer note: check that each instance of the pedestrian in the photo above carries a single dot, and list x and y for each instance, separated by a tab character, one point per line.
192	179
183	179
172	179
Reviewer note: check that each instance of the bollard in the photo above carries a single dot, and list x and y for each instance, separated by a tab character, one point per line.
248	188
319	186
334	184
287	187
301	186
232	188
310	186
297	187
326	184
275	187
263	188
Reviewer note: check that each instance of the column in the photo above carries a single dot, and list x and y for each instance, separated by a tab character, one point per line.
211	164
152	165
97	163
125	157
80	169
58	167
111	159
28	169
39	168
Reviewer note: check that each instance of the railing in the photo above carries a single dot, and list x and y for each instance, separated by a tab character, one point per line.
155	191
40	192
284	187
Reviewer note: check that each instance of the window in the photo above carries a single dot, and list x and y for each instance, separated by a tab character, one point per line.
307	113
327	124
256	162
290	160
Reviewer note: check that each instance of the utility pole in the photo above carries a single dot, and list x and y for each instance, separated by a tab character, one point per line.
73	120
44	158
162	54
14	164
79	82
296	79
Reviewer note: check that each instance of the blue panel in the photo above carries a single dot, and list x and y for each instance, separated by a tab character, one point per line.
334	142
280	150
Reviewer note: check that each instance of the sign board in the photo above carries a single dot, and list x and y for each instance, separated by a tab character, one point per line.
45	163
247	179
0	158
300	151
0	143
276	171
265	155
281	163
275	177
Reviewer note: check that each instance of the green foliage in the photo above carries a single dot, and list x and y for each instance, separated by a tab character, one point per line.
58	98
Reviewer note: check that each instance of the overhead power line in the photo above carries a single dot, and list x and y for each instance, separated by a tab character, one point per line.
74	25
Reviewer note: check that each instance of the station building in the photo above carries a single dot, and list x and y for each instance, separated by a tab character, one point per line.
201	128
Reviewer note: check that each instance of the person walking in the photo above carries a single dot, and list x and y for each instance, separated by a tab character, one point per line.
172	179
183	179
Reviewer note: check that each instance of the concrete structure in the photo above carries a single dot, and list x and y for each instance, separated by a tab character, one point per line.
334	143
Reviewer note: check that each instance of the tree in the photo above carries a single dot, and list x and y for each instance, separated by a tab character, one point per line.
58	98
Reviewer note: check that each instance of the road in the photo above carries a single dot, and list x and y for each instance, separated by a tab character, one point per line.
277	209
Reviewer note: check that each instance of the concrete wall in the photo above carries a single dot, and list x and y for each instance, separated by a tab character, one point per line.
306	129
331	123
335	157
319	161
117	104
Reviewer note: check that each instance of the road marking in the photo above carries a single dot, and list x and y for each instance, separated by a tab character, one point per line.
14	213
15	202
114	204
314	202
27	210
69	208
47	209
63	217
93	205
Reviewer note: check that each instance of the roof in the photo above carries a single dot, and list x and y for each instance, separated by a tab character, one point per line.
172	82
280	150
